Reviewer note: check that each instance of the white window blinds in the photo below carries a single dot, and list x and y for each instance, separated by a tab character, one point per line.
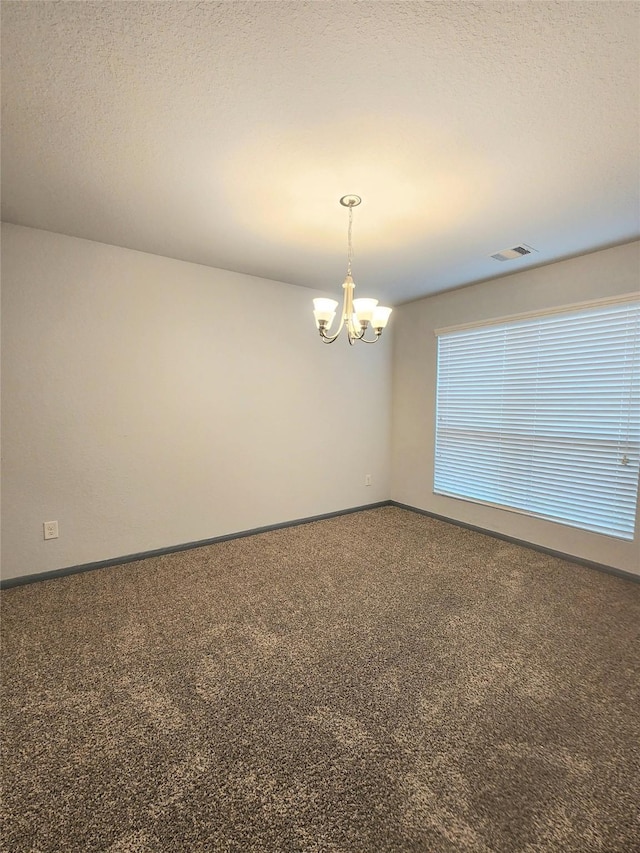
542	415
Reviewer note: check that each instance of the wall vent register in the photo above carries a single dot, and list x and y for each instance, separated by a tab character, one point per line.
511	254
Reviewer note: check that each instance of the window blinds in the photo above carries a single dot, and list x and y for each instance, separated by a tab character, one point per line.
542	415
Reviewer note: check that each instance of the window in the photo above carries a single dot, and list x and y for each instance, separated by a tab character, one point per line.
541	414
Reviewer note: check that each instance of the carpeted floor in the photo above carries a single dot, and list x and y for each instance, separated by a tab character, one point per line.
379	681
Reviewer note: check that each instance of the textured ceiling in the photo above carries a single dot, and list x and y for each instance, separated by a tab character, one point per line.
225	133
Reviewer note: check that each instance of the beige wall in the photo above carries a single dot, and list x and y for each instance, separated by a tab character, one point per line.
601	274
149	402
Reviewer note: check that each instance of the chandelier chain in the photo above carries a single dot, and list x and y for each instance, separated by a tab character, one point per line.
350	247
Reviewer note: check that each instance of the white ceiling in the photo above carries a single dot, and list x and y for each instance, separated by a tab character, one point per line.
225	133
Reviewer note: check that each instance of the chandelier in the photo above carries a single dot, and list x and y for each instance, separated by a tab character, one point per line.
357	314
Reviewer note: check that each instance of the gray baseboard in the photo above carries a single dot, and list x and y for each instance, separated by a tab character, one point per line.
601	567
186	546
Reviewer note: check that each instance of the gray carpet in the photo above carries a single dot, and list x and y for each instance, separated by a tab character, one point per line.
376	682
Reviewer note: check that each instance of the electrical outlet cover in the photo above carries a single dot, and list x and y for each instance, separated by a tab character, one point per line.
50	529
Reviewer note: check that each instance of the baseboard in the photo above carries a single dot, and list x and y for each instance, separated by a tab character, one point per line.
7	583
601	567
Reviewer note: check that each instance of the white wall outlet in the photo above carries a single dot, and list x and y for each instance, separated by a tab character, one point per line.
50	529
367	479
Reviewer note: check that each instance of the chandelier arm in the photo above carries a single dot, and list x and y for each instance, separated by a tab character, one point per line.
329	339
345	315
358	336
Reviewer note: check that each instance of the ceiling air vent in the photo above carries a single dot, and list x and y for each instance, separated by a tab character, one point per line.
511	254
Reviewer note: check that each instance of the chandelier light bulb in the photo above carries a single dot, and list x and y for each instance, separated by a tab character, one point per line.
380	317
364	309
324	312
